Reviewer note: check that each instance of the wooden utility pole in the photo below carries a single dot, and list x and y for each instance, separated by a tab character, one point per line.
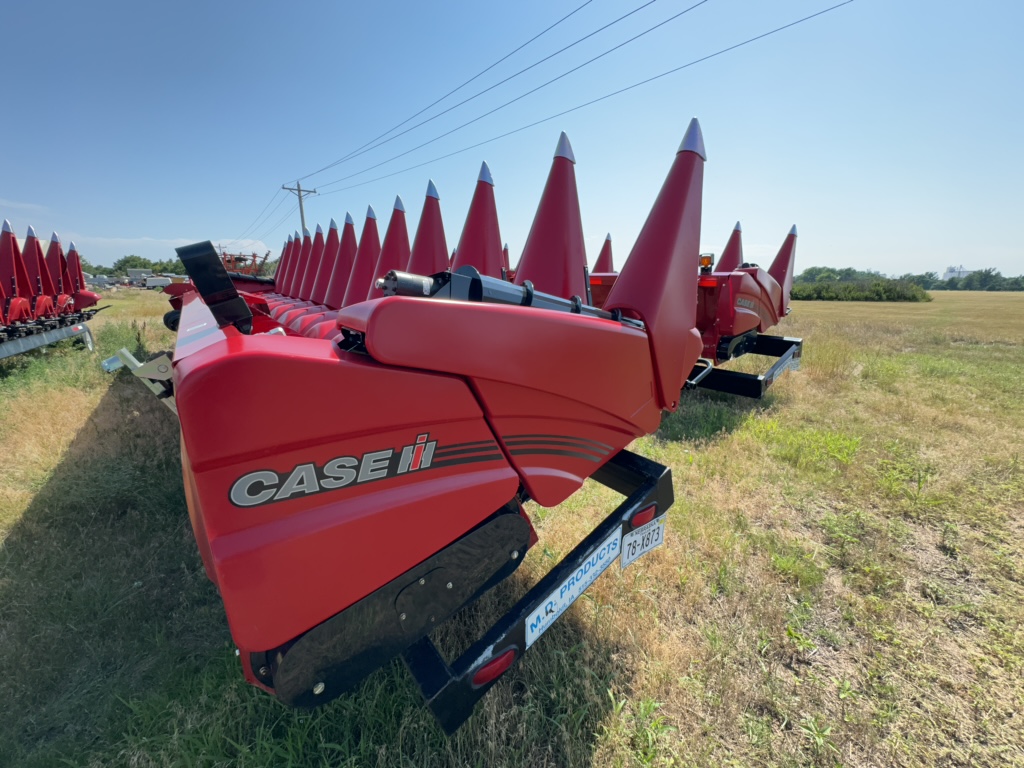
298	190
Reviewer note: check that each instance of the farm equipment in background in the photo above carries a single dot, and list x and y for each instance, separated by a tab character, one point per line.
243	264
43	298
736	303
418	404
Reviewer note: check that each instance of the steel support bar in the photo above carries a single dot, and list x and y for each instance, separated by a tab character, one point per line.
786	348
449	690
21	344
156	374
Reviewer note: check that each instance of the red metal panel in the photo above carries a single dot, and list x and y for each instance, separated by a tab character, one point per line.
265	557
600	286
599	362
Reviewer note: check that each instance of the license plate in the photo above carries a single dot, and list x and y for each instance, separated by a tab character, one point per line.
638	543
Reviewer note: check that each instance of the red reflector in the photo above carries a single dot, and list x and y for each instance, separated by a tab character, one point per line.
595	281
707	282
644	516
494	668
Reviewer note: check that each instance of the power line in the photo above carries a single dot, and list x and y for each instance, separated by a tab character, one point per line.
517	98
279	222
366	148
595	101
262	219
257	219
483	71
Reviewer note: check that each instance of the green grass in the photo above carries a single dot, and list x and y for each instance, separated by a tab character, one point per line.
843	579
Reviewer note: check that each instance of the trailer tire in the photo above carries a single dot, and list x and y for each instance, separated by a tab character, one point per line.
171	320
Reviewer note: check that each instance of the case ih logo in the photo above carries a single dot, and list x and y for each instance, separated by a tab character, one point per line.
266	486
746	303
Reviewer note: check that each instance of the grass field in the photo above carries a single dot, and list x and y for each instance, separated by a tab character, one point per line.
843	581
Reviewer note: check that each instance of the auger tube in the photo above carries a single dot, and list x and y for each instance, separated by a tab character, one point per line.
467	284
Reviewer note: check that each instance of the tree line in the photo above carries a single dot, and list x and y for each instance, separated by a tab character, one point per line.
980	280
122	265
166	267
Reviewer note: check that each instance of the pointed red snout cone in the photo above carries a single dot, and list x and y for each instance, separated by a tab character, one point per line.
658	283
394	254
316	255
292	262
782	269
282	266
293	282
83	298
295	279
365	261
57	265
15	304
732	256
326	268
39	280
604	262
282	262
284	270
286	314
554	258
294	265
480	244
429	249
342	266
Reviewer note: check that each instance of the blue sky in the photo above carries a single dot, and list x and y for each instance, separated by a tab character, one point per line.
889	132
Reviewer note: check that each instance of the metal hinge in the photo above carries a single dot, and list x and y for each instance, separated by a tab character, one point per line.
155	374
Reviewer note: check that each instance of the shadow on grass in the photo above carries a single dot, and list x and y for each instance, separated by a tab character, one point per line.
703	414
116	650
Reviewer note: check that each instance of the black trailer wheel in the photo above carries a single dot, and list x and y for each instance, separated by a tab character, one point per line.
171	320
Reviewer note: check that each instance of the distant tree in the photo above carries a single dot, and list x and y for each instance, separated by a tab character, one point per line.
169	267
122	265
832	275
978	280
926	280
95	269
982	280
1015	283
875	289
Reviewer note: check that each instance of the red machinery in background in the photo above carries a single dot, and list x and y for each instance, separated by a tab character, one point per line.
416	410
737	303
243	264
43	298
